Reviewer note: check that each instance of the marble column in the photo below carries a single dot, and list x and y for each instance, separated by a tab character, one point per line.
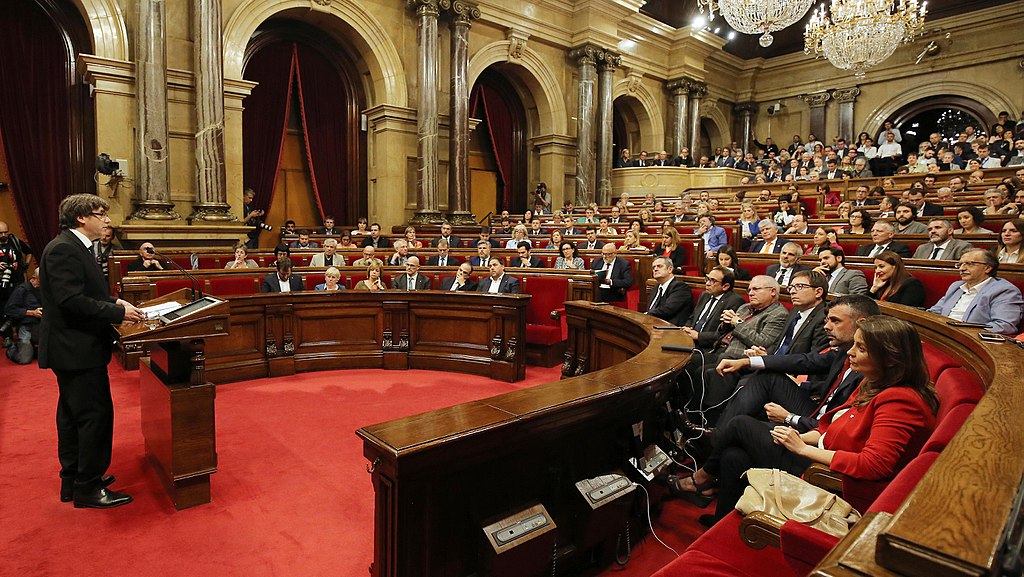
678	134
462	16
698	90
605	87
817	102
207	58
152	185
845	97
586	57
426	113
746	111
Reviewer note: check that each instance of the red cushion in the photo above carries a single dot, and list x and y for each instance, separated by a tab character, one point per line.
233	285
937	360
804	547
957	386
543	335
312	279
936	283
948	428
756	267
547	294
893	496
164	287
720	552
209	262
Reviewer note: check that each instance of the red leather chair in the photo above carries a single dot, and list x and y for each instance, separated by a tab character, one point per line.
164	287
546	331
233	285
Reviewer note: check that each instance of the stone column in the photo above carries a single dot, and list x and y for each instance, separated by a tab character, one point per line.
605	86
152	186
211	195
746	111
462	16
698	90
426	114
817	101
586	57
678	134
845	97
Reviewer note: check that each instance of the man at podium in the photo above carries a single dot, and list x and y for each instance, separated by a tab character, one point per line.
75	343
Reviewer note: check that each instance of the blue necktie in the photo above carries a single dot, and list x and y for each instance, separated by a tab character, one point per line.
787	340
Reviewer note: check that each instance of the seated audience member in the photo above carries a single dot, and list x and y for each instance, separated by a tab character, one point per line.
982	297
770	241
346	242
241	258
750	223
102	248
282	281
289	227
670	249
882	428
446	235
1010	240
483	254
893	283
328	227
25	310
410	238
881	238
906	220
485	235
832	198
282	251
362	227
941	245
604	228
498	281
401	254
887	207
554	240
591	242
714	236
304	241
718	296
784	213
944	195
442	258
841	280
368	258
861	198
332	280
520	234
615	275
146	261
970	220
524	260
631	243
461	281
994	201
821	239
729	260
798	225
860	221
375	239
373	281
789	264
670	300
569	227
329	256
922	207
411	280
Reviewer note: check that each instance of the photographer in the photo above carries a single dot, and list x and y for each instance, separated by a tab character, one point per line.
253	218
14	259
542	198
25	309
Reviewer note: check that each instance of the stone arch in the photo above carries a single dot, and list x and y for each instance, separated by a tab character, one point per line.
989	97
712	112
388	84
106	23
646	109
535	76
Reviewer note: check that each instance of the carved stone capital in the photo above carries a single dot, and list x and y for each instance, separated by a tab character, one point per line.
745	108
846	94
516	43
424	7
322	2
816	99
698	89
679	86
610	60
586	55
633	81
463	13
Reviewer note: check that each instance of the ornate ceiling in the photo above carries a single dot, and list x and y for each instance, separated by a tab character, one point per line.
679	13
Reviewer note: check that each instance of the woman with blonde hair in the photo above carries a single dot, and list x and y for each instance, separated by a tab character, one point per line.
519	234
373	280
632	243
332	278
410	237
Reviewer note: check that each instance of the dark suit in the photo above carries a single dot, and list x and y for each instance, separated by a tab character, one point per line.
779	243
453	242
470	286
75	343
811	335
677	256
773	271
332	231
401	282
272	284
895	246
584	245
708	333
535	262
476	261
621	279
680	161
675	305
930	209
382	242
509	284
452	261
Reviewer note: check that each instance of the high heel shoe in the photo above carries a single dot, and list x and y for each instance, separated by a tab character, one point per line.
698	497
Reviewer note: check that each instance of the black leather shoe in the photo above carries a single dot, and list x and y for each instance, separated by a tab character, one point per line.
67	487
691	428
101	499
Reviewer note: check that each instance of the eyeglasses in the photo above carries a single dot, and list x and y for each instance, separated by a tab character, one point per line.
709	280
758	288
798	287
100	215
970	263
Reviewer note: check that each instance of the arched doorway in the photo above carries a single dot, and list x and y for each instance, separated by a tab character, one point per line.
947	115
498	155
46	119
304	150
627	120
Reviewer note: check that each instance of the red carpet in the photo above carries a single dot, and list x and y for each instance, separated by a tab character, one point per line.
291	497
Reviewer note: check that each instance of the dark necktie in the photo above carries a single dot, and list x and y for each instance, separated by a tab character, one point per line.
787	340
703	319
657	297
411	283
443	261
782	276
935	253
840	378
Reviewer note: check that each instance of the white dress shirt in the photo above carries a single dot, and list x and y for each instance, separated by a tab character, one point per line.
961	306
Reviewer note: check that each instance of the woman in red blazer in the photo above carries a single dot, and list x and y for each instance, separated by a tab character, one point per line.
870	438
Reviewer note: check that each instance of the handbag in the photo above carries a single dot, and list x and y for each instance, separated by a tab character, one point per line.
785	496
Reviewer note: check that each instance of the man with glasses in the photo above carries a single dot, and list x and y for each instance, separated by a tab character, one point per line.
982	297
717	297
411	280
368	258
146	261
670	300
75	343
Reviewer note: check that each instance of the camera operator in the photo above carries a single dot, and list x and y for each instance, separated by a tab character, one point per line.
542	198
25	309
14	259
253	218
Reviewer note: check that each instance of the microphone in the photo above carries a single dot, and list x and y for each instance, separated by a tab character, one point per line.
197	293
677	348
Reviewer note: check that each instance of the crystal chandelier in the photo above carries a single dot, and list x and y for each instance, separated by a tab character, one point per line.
862	33
758	16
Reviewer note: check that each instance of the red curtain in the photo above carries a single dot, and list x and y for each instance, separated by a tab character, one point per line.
506	125
322	96
34	121
265	118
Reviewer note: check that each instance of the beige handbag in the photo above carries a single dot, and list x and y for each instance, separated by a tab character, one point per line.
782	495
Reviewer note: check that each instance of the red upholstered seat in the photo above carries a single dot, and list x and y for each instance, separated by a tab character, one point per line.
233	285
721	553
755	267
164	287
312	279
353	279
901	486
209	262
547	295
937	360
936	283
948	427
957	386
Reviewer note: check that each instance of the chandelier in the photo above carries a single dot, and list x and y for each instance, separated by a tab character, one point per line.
758	16
862	33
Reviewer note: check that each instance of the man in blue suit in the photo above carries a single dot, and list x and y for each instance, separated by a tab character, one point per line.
982	297
770	241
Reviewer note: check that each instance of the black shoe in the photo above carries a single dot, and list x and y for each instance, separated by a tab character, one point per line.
67	487
101	499
707	520
691	428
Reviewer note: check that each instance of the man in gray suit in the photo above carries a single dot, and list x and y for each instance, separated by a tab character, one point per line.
942	246
411	280
841	280
990	300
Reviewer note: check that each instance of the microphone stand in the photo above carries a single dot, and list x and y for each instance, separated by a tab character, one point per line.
197	293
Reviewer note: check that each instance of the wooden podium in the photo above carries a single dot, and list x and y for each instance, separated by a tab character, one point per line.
176	401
